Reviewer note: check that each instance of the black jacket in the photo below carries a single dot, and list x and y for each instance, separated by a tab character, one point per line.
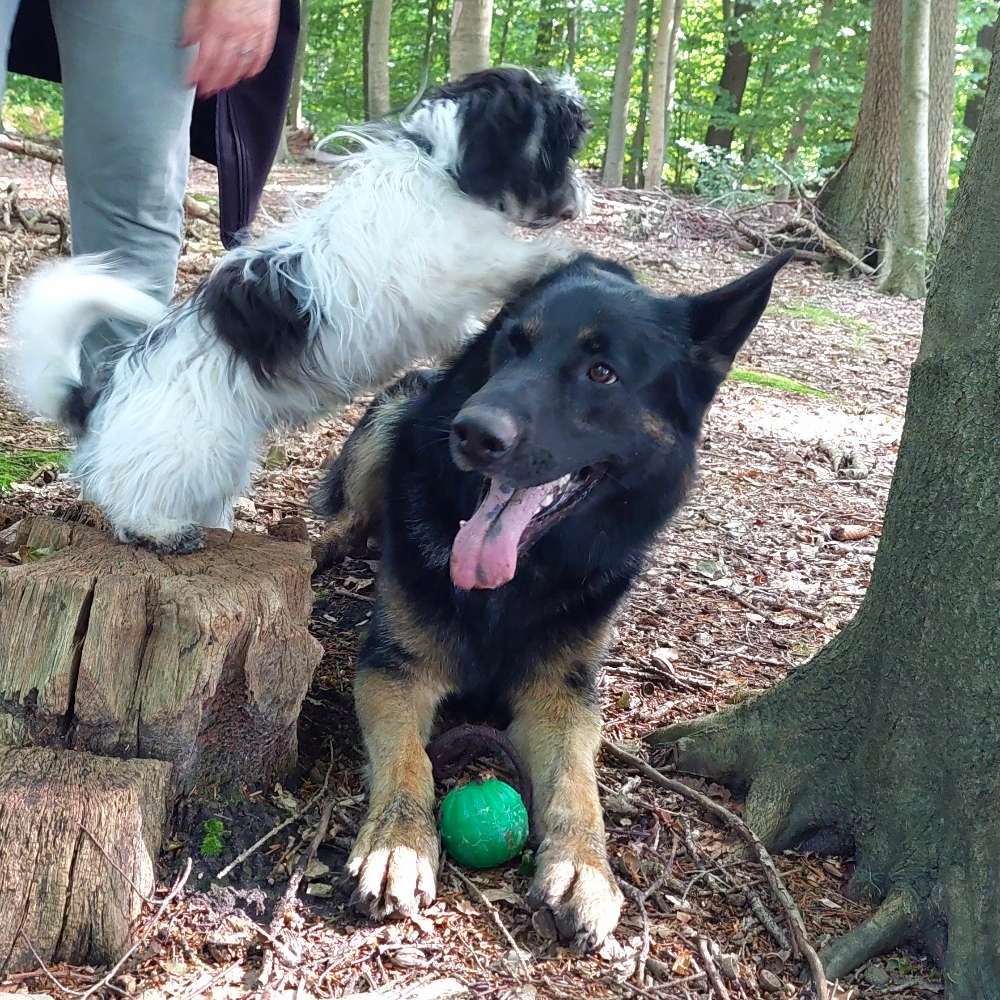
238	130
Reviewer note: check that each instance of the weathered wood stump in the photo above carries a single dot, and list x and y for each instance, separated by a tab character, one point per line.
127	681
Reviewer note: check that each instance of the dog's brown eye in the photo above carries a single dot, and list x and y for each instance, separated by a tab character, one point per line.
602	373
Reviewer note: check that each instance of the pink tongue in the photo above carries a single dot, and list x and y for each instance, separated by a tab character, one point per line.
484	553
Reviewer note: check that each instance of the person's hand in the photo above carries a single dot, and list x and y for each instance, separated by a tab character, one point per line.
234	39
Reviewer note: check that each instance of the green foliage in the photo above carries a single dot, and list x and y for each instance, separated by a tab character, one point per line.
33	107
581	36
770	380
212	843
17	466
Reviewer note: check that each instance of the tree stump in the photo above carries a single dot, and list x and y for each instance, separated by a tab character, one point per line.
127	681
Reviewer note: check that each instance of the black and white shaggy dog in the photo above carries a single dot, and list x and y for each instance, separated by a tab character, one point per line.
518	490
411	245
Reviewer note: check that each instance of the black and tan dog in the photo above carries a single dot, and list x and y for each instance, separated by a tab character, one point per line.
517	491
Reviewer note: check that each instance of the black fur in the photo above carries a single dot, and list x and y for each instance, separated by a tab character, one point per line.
670	356
256	313
501	109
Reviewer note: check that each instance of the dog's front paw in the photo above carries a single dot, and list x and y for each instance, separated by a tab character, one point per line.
395	864
576	885
180	542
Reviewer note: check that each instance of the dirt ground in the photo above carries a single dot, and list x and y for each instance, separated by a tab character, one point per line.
770	557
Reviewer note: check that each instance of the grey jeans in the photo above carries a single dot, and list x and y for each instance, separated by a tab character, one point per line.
127	118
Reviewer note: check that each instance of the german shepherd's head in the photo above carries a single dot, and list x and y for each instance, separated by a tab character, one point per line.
594	398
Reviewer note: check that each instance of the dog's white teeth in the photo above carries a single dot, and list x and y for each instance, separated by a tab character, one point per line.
547	502
564	481
462	523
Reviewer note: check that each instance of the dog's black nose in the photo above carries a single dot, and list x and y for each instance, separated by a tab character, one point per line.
483	435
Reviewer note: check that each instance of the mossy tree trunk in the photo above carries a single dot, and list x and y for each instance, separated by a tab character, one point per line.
735	72
887	743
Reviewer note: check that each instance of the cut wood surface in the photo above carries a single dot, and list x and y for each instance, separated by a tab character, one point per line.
197	665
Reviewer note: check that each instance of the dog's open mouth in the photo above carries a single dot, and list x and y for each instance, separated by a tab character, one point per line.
507	520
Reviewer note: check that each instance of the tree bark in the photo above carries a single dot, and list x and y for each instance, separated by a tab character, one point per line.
658	95
428	56
860	202
379	23
974	103
126	681
508	16
293	115
733	84
634	175
886	743
569	64
906	264
614	154
470	36
801	122
944	31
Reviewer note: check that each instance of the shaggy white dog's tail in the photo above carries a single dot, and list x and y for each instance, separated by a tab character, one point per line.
56	308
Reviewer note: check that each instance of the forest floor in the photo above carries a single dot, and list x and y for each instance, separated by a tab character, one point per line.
769	558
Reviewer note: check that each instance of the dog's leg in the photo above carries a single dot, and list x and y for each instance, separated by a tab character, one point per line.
395	856
557	731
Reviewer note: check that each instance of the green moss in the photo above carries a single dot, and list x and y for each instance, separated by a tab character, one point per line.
772	381
819	315
17	466
212	844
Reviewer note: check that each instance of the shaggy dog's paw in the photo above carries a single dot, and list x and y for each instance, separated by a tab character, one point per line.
181	542
576	885
395	865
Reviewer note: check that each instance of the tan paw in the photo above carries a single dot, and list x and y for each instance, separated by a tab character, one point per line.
577	886
395	865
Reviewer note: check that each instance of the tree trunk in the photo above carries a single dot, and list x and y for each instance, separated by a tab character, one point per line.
750	143
470	36
860	202
974	104
887	741
614	153
379	22
944	31
569	65
366	11
428	57
126	681
293	115
733	83
672	74
658	97
634	176
800	124
508	16
906	265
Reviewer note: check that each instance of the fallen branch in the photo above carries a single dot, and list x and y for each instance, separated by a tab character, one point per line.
429	989
712	970
764	859
834	247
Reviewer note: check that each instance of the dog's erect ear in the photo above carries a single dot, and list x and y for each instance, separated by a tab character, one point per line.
720	321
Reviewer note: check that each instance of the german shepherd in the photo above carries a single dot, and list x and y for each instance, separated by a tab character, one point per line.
517	491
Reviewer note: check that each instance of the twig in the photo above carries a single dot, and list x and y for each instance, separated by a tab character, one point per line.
113	971
26	147
478	893
287	900
639	898
41	964
257	844
764	915
764	859
344	592
712	970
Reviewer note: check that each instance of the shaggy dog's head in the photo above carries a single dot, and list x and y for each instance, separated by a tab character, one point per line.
508	138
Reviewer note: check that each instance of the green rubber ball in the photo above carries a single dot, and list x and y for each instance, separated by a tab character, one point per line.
483	824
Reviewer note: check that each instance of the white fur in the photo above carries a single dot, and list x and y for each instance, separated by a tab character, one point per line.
392	266
55	308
